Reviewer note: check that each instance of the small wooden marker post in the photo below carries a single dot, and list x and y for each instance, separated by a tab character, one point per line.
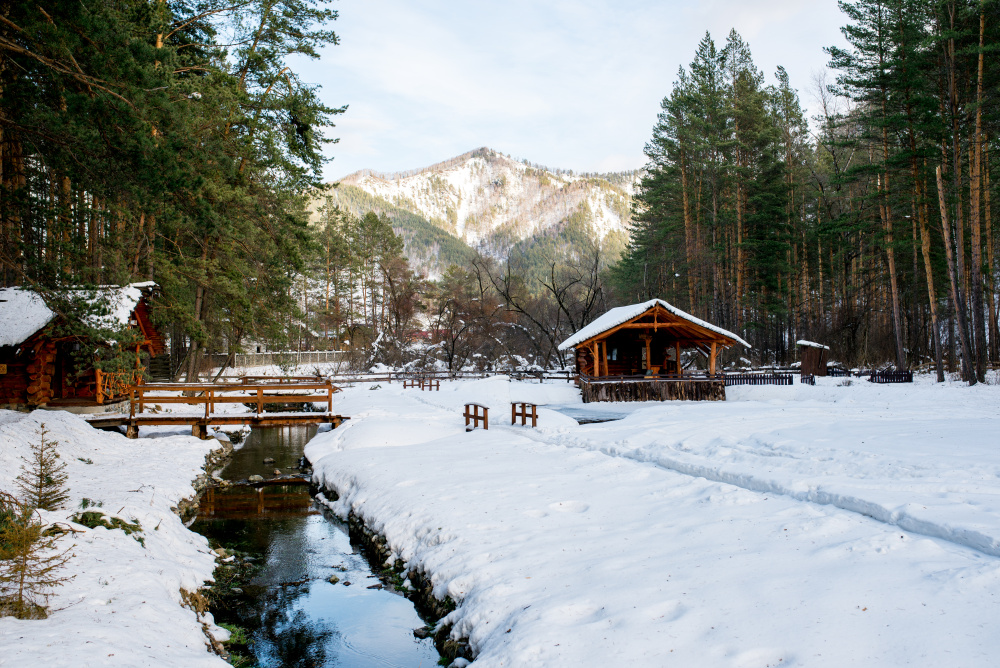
519	409
475	416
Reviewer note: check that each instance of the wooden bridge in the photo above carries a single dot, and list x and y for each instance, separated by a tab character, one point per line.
253	392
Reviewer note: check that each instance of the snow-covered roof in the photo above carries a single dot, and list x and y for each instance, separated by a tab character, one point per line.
811	344
23	312
623	314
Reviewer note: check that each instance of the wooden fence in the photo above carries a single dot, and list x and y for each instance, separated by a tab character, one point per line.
891	376
758	379
523	410
479	413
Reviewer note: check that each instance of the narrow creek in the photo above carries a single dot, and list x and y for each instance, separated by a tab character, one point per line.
294	614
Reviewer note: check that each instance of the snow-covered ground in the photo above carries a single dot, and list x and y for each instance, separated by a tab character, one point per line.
815	526
123	605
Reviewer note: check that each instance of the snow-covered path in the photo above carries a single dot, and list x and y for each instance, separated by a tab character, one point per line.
624	543
924	457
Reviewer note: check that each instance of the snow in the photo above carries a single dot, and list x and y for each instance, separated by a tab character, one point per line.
123	605
24	312
622	314
814	526
811	344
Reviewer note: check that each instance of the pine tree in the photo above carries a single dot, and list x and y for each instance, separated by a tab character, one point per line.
42	480
29	562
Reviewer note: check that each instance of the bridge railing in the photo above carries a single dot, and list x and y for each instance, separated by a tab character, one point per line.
210	395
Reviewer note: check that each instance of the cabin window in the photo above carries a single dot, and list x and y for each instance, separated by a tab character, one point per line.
614	355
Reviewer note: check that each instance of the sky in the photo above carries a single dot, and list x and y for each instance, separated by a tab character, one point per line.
571	84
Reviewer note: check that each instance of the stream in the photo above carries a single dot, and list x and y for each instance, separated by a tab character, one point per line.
292	612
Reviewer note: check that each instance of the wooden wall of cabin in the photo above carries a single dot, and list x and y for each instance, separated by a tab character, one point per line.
14	381
42	372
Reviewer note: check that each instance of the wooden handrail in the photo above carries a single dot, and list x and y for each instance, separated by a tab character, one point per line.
476	417
211	394
523	413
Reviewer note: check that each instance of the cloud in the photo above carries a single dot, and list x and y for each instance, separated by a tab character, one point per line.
567	83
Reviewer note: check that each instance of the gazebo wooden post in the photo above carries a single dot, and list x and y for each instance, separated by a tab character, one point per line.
597	360
649	353
711	358
677	355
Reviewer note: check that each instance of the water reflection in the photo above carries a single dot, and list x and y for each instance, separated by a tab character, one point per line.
294	614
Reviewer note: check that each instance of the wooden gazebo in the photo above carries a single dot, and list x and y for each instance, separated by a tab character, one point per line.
633	353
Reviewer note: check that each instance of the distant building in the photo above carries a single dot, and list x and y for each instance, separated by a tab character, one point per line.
37	366
813	357
633	353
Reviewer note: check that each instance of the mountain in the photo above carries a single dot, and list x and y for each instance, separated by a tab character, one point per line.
486	200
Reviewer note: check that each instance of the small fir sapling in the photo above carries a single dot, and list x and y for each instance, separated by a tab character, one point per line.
42	480
29	562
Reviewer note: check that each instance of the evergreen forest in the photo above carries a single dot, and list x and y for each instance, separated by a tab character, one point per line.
870	230
173	141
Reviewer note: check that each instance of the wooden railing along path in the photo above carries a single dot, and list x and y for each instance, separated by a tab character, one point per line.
476	413
211	394
112	385
287	390
524	410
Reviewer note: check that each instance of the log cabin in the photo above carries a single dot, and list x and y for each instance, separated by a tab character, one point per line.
634	353
37	367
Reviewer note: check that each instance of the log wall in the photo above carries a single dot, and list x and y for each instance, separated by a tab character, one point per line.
654	390
14	383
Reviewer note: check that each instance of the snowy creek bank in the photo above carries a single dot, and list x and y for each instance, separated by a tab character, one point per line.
293	584
133	598
581	545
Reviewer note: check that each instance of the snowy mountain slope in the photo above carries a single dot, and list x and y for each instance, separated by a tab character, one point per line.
489	200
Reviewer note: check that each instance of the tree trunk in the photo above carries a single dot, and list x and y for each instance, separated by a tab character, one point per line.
688	236
956	288
925	247
975	179
991	263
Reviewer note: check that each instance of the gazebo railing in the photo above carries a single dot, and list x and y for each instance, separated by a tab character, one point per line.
696	376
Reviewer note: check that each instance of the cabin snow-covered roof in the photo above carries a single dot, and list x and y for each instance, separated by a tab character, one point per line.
23	312
623	314
811	344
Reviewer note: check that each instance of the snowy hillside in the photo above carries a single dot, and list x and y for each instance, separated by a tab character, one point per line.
484	196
